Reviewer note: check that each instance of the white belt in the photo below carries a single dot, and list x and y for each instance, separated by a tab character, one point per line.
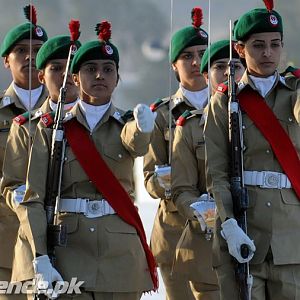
267	179
90	208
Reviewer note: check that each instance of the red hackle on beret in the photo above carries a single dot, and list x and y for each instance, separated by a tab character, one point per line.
103	30
74	26
269	4
197	17
30	14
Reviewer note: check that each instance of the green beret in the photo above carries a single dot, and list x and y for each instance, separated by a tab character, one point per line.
256	21
216	51
22	32
55	48
94	50
186	37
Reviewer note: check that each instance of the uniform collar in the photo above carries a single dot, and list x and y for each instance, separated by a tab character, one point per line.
67	106
179	98
246	80
24	98
42	110
76	112
197	99
10	97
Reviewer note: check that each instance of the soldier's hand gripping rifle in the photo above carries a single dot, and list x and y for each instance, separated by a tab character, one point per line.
56	234
238	190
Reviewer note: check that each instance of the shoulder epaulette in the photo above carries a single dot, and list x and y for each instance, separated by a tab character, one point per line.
5	101
21	119
188	114
292	70
223	87
182	119
127	116
48	118
157	103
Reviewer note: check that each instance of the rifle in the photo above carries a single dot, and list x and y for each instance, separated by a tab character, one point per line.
56	234
238	191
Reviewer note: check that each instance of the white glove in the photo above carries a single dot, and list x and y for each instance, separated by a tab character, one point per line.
19	193
205	211
235	238
163	173
144	118
45	275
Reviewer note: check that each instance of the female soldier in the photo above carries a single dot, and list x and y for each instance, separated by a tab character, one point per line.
270	123
19	44
51	60
187	47
194	250
218	56
106	245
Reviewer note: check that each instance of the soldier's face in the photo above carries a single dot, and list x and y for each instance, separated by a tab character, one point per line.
97	80
53	75
188	67
18	61
262	52
219	72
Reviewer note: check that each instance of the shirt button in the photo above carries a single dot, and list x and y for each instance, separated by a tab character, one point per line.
120	155
290	119
243	126
268	204
92	229
267	151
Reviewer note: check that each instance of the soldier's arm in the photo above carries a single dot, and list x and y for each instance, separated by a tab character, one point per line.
296	103
15	163
31	211
218	154
185	172
156	155
135	141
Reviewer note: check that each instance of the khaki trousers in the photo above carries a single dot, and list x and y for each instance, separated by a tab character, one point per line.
5	275
205	291
179	288
270	282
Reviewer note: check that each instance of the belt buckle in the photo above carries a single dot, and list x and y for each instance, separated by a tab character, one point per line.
271	180
94	209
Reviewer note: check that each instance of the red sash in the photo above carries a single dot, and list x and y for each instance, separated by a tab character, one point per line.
107	184
263	117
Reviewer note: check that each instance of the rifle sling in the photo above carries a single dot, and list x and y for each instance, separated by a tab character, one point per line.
107	184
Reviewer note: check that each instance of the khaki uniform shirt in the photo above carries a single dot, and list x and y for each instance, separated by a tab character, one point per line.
168	223
105	252
273	214
194	251
17	155
10	107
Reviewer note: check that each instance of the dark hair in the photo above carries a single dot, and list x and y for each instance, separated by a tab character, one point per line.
177	76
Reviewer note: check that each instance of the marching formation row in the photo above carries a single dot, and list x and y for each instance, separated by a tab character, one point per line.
222	154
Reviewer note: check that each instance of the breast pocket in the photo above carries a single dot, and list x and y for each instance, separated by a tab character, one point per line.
118	159
292	128
72	170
